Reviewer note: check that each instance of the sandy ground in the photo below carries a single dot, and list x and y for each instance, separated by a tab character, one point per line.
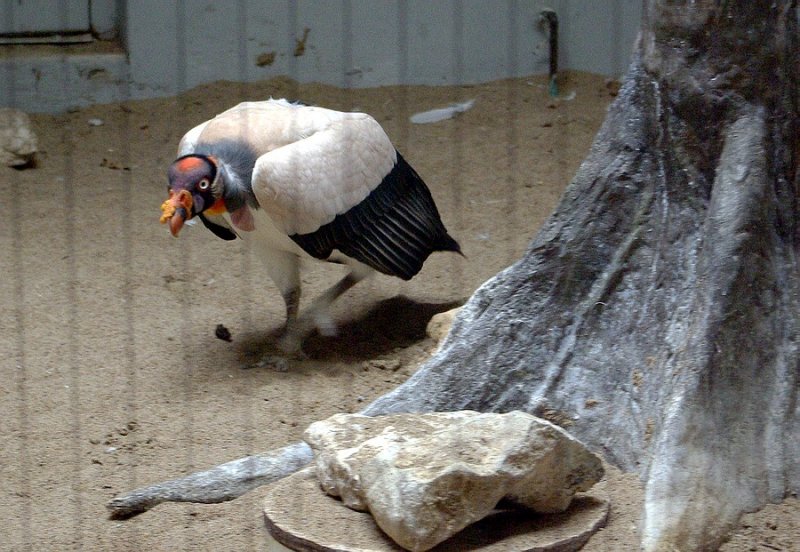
112	377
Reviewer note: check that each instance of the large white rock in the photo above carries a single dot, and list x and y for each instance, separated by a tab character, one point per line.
17	139
424	477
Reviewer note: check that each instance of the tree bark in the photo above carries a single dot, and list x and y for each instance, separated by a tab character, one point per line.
656	313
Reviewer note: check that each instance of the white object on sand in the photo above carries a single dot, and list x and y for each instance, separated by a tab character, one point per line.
18	142
442	113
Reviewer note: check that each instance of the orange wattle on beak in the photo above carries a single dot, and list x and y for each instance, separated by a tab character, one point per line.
177	209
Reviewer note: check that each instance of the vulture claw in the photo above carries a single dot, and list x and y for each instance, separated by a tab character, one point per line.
277	363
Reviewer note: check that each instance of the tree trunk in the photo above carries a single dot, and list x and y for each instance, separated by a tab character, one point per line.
658	308
656	313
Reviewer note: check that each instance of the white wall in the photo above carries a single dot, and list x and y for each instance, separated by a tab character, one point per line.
173	45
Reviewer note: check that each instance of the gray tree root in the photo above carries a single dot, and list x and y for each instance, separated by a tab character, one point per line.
220	484
657	313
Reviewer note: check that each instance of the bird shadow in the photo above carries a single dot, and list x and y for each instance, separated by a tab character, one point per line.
392	323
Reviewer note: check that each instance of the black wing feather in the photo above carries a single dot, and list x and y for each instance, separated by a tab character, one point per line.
393	230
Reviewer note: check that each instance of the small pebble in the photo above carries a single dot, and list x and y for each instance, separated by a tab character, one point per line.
223	333
95	122
391	364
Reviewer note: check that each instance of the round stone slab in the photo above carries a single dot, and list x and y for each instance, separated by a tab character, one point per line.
301	517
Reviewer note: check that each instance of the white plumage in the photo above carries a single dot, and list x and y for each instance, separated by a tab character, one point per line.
300	181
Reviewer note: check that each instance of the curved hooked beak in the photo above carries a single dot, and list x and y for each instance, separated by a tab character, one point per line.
176	210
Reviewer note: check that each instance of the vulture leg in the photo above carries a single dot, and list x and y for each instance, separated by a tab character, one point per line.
292	300
317	315
284	270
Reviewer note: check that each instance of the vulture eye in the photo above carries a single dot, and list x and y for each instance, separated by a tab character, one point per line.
204	184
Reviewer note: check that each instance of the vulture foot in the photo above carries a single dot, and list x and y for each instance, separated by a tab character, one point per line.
279	363
323	322
289	349
297	331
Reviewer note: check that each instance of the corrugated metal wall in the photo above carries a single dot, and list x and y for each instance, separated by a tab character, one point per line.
173	45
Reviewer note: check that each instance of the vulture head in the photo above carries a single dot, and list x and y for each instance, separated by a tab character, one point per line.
194	187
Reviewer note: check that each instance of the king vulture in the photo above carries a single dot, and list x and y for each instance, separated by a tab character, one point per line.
302	182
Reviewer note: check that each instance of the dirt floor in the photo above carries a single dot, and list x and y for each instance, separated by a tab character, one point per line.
112	377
